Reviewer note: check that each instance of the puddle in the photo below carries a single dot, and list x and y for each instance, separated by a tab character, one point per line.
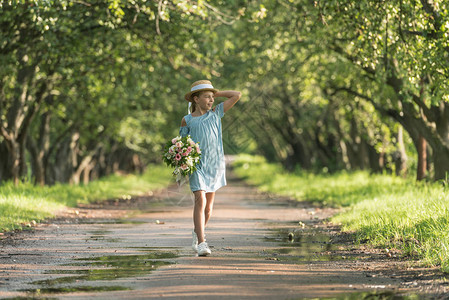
305	245
65	290
149	249
100	235
109	222
386	295
104	268
126	221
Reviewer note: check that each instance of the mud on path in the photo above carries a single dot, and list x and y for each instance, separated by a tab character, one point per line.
262	247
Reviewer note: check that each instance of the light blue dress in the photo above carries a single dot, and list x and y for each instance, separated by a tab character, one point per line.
206	130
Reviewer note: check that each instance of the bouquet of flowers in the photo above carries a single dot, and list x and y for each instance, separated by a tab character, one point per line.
183	154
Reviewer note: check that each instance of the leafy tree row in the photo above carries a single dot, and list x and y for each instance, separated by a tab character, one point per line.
91	87
83	84
339	77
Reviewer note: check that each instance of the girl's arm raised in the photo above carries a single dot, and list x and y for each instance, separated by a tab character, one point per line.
233	97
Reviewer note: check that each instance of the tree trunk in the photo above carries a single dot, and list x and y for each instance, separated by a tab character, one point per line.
376	160
66	158
56	146
441	150
441	163
44	146
19	118
23	170
84	166
325	152
137	164
358	155
343	144
12	157
422	158
39	150
110	167
37	164
299	155
401	157
15	117
14	160
434	117
344	155
87	171
5	173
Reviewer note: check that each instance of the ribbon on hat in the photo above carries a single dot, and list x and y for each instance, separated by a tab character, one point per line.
201	86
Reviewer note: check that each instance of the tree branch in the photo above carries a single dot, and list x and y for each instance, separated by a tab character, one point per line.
5	133
334	47
430	9
357	94
427	111
159	7
15	113
82	2
58	141
32	110
435	16
427	34
219	14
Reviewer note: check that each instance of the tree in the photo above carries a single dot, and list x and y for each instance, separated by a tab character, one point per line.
299	118
390	54
89	72
401	48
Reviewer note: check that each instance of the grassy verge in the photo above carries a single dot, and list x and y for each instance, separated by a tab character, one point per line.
27	203
386	211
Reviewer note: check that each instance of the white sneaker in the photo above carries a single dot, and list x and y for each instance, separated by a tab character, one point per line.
203	249
194	241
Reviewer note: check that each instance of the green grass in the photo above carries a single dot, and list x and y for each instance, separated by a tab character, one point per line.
336	190
387	211
26	203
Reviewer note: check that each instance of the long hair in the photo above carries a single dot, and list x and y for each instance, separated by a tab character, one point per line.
193	107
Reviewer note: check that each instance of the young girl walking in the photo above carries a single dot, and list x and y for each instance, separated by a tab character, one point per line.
204	126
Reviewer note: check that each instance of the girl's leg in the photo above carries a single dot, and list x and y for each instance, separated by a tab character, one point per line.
198	214
209	206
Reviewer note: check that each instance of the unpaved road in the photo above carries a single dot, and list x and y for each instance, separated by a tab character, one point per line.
259	250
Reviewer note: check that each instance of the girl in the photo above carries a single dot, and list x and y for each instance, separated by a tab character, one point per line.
204	126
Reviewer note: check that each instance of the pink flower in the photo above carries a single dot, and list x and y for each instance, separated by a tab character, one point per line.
178	157
184	167
189	149
170	150
179	144
174	140
198	150
192	143
185	153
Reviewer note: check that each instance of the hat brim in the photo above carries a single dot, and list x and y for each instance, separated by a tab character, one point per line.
188	96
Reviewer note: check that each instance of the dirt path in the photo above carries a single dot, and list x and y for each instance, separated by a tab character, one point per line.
259	250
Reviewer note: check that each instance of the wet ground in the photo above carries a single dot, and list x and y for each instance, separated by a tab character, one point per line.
263	247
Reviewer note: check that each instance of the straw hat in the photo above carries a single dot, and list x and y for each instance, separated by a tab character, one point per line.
198	86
